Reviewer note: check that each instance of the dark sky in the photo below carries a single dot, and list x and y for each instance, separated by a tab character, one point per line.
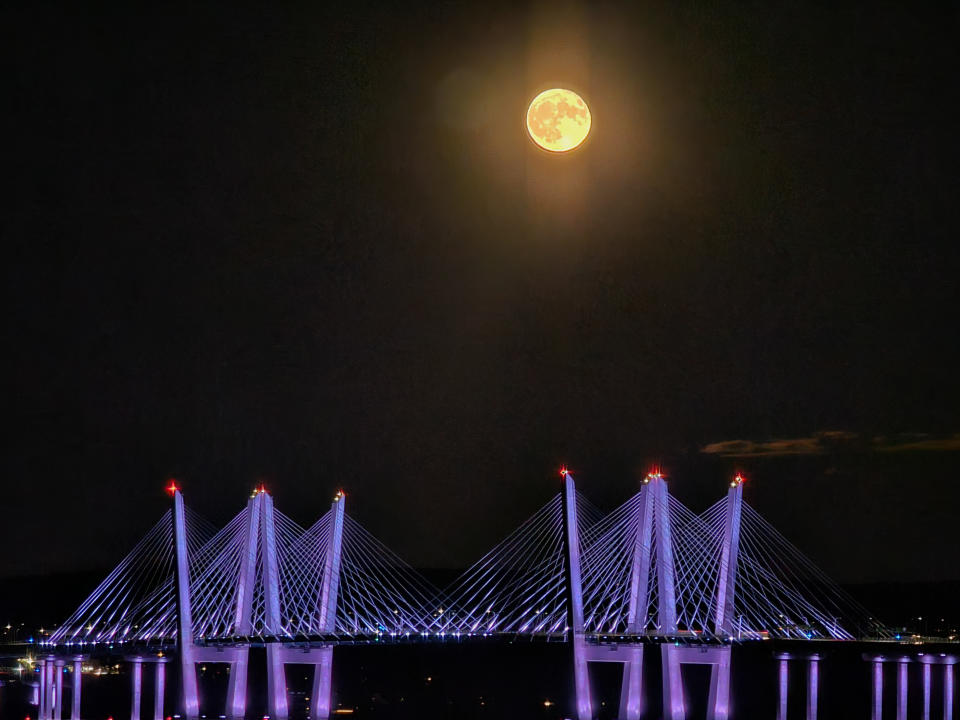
315	246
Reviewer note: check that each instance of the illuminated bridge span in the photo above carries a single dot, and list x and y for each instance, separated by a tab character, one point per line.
651	572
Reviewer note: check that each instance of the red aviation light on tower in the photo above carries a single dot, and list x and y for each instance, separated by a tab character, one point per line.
654	474
564	471
738	479
172	488
339	496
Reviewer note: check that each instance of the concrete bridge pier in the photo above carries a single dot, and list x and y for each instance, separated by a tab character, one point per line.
631	656
321	658
34	693
49	692
58	689
876	698
276	683
236	658
42	690
718	705
927	661
160	686
137	662
948	673
925	670
322	685
717	657
902	687
136	686
77	688
237	685
783	686
631	692
813	684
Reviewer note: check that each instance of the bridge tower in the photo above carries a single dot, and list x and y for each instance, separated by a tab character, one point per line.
719	701
631	693
243	612
673	655
189	700
329	591
278	656
259	541
276	677
575	598
673	702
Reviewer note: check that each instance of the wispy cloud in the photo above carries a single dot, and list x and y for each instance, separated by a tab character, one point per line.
918	442
752	448
831	441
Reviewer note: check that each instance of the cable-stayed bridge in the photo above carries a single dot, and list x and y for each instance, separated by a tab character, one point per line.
651	573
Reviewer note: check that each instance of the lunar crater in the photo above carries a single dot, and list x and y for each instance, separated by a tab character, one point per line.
558	120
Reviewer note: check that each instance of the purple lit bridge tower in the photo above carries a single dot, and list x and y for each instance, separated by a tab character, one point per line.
649	576
258	582
638	543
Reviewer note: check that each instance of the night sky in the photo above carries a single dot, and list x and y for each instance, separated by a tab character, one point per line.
314	246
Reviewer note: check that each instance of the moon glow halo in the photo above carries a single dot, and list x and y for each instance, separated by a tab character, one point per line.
558	120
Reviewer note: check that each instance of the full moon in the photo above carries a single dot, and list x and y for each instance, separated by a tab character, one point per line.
558	120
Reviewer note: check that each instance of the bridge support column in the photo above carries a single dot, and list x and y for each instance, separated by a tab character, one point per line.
44	709
34	695
160	683
276	683
136	680
783	686
77	687
236	658
631	692
926	675
320	700
237	685
581	678
48	688
58	689
42	694
329	594
190	701
877	689
276	676
718	706
948	689
718	658
902	688
813	686
674	706
575	599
